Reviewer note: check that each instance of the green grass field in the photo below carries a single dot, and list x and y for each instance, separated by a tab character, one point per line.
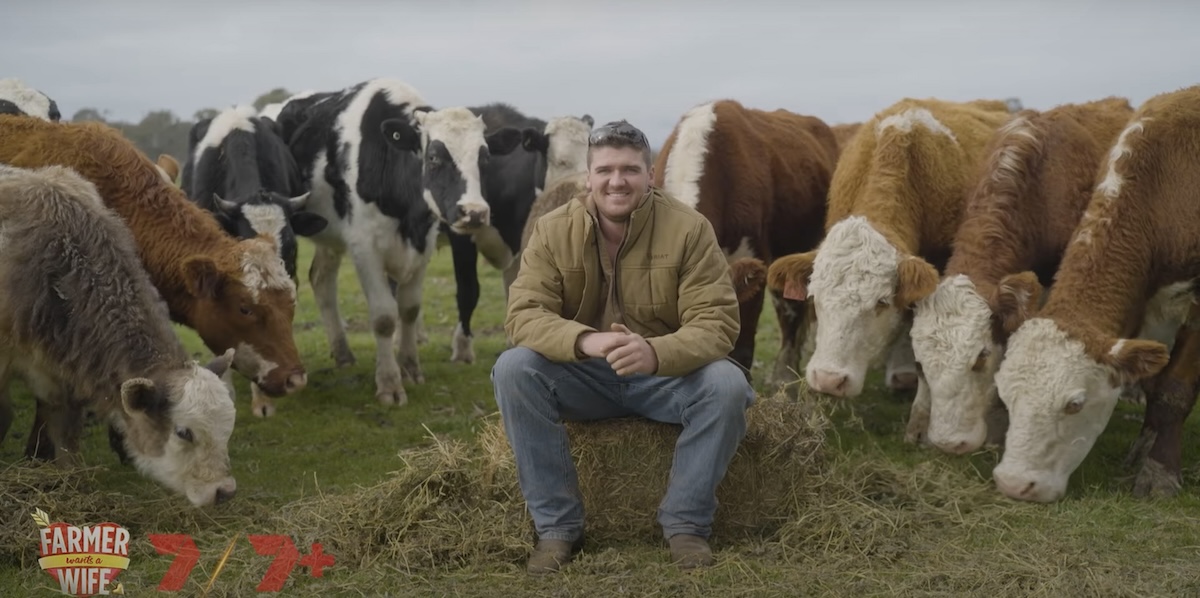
924	523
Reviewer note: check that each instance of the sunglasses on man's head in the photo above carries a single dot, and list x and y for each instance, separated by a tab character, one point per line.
621	129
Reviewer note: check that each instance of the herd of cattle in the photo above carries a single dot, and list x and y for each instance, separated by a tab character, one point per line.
922	238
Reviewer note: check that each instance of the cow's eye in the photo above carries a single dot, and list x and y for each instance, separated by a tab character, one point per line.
981	361
184	433
246	311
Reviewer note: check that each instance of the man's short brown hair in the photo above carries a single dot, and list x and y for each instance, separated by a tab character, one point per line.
619	134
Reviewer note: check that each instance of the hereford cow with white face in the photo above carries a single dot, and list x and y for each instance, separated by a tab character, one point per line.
894	205
82	324
1022	211
1065	367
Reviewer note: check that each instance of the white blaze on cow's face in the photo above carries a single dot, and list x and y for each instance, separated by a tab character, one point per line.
954	344
854	285
1059	400
189	452
455	151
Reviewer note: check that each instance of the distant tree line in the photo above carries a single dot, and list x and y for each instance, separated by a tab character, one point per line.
162	131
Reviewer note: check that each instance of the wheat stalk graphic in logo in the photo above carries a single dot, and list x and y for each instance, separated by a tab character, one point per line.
41	518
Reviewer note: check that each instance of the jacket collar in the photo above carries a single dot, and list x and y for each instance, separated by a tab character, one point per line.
637	220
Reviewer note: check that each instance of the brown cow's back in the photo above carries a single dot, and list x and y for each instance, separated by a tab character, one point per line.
761	178
909	174
1032	190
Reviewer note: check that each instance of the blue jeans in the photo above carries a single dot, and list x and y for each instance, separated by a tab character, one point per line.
536	395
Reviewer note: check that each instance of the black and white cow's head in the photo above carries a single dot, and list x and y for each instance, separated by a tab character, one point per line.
454	153
18	98
272	214
242	171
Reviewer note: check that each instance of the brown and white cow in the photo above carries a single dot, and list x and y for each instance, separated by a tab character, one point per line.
81	323
235	294
894	206
761	179
1065	366
1022	211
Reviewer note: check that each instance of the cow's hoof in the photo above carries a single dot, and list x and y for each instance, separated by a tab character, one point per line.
263	409
1155	481
903	381
463	350
915	432
410	370
389	398
342	357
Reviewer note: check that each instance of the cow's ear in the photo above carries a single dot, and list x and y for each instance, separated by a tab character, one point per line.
534	140
401	135
203	279
504	141
1134	359
587	118
138	396
221	362
1015	300
790	275
916	279
307	224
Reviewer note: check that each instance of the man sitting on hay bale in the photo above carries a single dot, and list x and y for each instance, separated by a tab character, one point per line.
623	306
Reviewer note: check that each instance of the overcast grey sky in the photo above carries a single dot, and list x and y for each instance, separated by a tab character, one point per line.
648	61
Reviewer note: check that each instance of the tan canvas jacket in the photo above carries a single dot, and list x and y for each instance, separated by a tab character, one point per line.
673	285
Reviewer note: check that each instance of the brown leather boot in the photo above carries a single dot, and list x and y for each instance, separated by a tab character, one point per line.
550	555
690	552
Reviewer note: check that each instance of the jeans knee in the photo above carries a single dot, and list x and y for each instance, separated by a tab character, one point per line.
513	365
727	385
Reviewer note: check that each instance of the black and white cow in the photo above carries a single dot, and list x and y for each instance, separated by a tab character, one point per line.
18	98
548	151
239	169
384	169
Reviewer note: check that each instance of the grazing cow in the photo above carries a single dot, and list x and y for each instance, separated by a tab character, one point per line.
894	206
761	179
1065	365
235	294
240	170
384	169
169	167
1025	204
19	99
82	324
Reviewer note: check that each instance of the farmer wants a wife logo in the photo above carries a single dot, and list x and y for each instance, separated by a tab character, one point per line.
86	561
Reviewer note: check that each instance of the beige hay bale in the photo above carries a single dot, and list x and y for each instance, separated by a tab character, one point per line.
623	466
436	512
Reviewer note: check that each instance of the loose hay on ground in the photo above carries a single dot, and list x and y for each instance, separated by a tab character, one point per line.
624	463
